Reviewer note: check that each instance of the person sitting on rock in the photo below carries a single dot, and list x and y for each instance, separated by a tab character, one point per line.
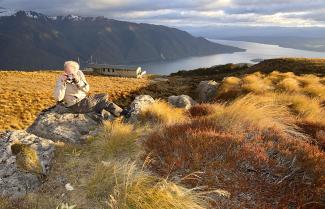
71	90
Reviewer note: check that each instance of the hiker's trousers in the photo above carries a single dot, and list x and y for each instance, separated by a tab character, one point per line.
96	103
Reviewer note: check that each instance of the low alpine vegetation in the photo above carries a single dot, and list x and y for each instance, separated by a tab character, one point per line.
243	148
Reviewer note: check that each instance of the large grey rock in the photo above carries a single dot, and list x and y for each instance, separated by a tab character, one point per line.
182	101
59	124
206	90
14	180
139	103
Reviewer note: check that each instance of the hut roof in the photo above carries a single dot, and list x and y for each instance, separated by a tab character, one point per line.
118	67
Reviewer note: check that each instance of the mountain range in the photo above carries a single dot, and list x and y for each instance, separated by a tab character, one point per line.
304	38
31	40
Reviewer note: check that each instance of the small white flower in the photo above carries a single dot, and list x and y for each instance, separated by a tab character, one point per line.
69	187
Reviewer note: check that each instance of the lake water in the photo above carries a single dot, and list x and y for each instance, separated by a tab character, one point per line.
253	51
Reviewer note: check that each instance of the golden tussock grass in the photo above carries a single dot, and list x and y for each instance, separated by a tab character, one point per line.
24	94
229	88
251	111
303	95
115	140
255	83
123	185
315	90
289	84
308	79
161	112
305	108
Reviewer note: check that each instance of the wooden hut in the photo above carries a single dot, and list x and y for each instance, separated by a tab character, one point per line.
117	70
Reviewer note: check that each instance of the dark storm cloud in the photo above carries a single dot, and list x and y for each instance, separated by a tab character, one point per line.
187	12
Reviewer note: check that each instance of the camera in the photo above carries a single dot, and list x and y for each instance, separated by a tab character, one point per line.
69	78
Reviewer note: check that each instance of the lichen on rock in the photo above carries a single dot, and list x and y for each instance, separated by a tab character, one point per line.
24	158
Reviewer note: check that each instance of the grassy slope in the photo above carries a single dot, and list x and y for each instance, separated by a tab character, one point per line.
261	145
24	94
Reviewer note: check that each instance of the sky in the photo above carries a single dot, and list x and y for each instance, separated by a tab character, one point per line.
187	13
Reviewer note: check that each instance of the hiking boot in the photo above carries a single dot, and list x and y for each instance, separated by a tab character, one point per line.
126	113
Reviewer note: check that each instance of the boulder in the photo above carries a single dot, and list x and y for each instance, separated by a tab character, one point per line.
182	101
58	124
139	103
206	90
21	169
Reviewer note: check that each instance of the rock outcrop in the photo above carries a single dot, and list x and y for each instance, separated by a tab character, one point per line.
58	124
25	156
206	90
139	103
21	169
182	101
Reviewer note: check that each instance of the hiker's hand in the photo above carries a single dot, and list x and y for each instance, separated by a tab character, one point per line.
75	77
63	77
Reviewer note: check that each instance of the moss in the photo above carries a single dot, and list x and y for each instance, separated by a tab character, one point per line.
26	158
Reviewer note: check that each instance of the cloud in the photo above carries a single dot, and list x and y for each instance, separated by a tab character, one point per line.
195	13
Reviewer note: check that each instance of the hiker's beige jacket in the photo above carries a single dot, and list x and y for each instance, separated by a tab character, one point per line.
71	93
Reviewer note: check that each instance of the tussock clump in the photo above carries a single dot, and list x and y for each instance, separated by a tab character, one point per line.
229	88
123	185
274	82
308	79
116	139
27	158
322	80
275	76
305	108
162	113
315	90
255	83
250	111
289	84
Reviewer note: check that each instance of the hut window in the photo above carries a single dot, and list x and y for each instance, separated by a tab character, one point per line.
113	70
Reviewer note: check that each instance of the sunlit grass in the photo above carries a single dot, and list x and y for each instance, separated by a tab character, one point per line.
123	185
252	111
116	140
24	94
255	83
230	87
161	112
289	84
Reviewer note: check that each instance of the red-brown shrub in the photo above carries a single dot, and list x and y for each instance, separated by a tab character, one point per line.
201	110
316	131
272	168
